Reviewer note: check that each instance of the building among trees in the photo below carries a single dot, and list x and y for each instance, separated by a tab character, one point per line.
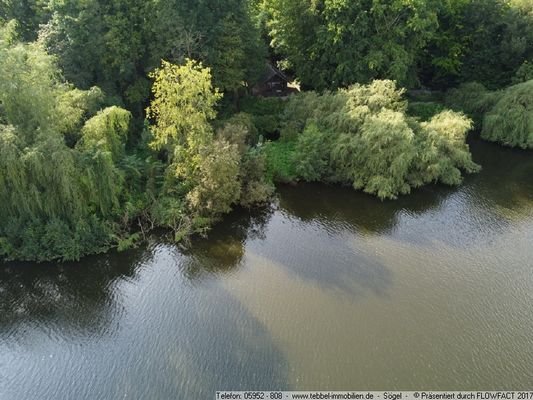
274	83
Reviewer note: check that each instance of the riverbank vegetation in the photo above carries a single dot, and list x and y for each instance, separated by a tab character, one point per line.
504	116
363	137
120	117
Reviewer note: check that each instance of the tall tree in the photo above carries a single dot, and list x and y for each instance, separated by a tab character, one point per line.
28	13
478	40
115	44
335	43
59	199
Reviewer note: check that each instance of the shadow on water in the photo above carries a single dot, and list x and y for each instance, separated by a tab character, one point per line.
356	211
124	326
75	296
226	349
505	185
223	250
322	253
302	248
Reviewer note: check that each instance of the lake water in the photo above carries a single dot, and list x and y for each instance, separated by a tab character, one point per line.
327	289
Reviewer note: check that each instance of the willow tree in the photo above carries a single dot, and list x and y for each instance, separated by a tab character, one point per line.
510	120
59	196
363	137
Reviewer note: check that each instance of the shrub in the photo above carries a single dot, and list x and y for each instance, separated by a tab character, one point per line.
524	73
424	110
445	152
256	189
217	189
312	154
510	121
266	114
280	161
363	137
473	99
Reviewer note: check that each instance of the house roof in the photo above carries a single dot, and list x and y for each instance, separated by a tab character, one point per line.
271	71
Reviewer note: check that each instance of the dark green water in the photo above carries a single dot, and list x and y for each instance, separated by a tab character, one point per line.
326	289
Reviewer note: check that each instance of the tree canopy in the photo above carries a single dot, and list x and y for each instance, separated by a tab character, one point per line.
121	116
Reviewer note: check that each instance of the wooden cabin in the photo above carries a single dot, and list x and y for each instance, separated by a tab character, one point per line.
274	83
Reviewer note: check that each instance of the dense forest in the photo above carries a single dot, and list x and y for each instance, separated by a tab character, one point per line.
118	117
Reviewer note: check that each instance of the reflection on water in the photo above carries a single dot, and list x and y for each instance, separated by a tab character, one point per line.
54	295
224	250
326	288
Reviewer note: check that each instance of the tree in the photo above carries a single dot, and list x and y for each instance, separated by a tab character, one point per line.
59	199
202	174
363	137
335	44
28	14
478	40
182	107
115	44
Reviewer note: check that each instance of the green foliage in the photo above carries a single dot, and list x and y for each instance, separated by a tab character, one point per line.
280	161
182	107
444	152
363	137
206	174
266	114
28	14
218	187
333	44
256	188
524	73
230	56
424	109
510	121
312	154
240	129
478	40
107	130
45	240
503	116
241	133
58	201
378	160
113	44
79	174
473	99
129	242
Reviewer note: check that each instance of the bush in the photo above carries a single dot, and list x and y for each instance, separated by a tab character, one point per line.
280	161
524	73
445	152
312	154
256	189
424	110
266	114
363	137
510	121
243	122
473	99
217	189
